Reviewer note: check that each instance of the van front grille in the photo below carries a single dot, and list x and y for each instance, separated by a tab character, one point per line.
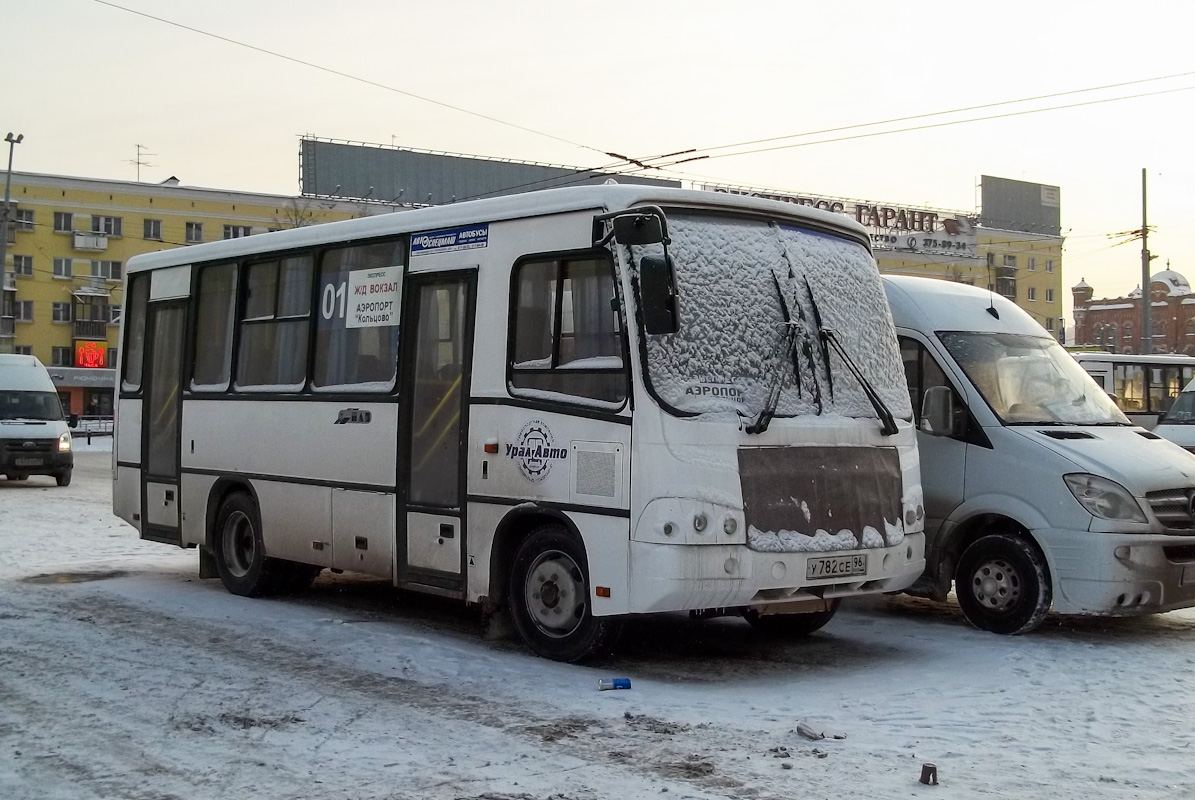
1173	508
30	447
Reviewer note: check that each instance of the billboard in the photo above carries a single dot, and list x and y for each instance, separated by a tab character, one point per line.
1020	206
414	177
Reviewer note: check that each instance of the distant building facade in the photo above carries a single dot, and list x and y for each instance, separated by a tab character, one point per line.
68	241
1114	324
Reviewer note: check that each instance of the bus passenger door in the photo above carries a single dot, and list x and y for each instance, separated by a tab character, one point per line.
160	422
436	364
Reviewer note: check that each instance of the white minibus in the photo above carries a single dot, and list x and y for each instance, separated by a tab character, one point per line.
34	438
572	406
1143	386
1178	423
1039	493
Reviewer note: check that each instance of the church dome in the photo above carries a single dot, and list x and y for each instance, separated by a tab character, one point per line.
1176	284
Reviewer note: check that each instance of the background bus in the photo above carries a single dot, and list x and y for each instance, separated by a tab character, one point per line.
1144	387
457	398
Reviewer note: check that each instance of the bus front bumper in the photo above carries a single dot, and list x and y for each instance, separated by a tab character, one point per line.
676	577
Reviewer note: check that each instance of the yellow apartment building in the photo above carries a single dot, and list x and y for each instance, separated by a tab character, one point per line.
68	241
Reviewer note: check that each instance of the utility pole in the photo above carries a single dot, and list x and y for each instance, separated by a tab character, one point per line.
6	305
1147	332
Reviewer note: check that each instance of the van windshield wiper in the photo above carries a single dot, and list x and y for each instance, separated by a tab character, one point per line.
764	418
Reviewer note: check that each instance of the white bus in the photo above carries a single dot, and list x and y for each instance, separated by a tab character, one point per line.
572	405
1143	386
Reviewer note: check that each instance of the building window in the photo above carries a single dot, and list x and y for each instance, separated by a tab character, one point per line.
61	357
1010	261
64	222
62	312
23	349
1191	326
108	270
114	314
236	231
1032	265
1049	266
1050	324
107	225
153	230
194	232
1049	295
23	310
22	265
1128	331
24	219
991	259
112	357
1031	293
62	268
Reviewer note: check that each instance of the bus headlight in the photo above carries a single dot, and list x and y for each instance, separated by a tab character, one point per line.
64	442
1104	498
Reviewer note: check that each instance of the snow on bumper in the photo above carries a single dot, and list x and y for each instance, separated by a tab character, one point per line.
672	577
1119	574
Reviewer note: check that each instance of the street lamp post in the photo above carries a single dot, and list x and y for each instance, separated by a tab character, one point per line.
13	141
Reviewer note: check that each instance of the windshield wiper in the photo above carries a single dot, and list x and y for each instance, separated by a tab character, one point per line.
764	418
889	424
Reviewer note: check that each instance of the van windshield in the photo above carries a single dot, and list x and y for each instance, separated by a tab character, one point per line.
1183	410
751	294
41	406
1031	380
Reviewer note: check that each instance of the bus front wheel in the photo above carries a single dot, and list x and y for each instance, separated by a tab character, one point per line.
240	551
550	597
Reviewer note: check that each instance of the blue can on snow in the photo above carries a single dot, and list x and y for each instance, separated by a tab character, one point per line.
613	683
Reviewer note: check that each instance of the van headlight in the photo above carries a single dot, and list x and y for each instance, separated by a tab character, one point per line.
64	442
1104	498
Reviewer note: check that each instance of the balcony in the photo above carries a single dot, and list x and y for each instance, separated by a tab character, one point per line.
90	329
6	328
91	241
10	282
92	286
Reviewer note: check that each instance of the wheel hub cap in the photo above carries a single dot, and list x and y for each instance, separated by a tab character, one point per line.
555	593
996	585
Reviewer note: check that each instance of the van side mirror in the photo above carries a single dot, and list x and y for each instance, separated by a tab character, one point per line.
638	229
72	421
657	295
937	411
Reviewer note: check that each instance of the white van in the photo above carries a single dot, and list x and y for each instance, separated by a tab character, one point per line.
34	439
1178	423
1039	493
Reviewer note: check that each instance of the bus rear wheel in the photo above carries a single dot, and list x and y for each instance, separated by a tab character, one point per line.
550	597
240	552
792	625
1002	584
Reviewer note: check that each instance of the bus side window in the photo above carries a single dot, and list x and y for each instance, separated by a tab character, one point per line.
134	348
567	334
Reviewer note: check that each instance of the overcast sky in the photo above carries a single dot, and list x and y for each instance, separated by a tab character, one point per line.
85	82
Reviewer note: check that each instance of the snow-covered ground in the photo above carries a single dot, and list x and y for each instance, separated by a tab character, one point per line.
122	675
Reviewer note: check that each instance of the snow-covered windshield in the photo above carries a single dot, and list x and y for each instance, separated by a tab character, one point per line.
1031	380
29	406
731	350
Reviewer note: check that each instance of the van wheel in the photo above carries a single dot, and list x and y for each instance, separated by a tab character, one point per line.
1002	584
549	597
63	478
240	551
792	625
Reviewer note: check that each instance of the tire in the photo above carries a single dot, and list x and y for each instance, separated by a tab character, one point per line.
549	597
792	625
240	552
1002	584
63	478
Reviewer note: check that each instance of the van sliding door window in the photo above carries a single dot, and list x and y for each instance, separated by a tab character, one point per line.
567	336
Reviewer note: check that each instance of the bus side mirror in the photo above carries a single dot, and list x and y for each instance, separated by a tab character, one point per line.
638	229
657	295
72	421
937	411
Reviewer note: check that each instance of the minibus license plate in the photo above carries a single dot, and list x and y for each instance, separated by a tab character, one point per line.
835	566
27	462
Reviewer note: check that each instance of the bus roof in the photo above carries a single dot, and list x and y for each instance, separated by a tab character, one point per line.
610	197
